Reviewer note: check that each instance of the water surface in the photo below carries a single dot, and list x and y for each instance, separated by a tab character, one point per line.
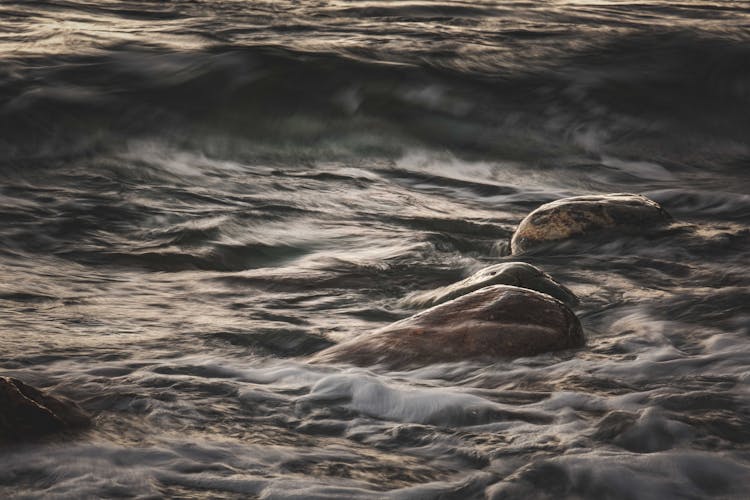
197	195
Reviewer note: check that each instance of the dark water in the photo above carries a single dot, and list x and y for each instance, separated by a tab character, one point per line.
198	194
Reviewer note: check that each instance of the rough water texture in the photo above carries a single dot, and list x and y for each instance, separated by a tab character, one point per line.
198	196
497	321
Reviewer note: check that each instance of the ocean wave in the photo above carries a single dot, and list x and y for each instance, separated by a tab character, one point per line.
601	102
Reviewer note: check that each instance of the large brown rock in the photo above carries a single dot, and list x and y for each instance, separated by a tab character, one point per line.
518	274
587	215
26	412
494	322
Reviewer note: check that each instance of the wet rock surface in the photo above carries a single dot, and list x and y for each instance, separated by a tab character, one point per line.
498	321
518	274
585	216
27	413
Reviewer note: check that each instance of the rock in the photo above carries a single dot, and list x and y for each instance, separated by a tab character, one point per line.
585	215
498	321
518	274
26	412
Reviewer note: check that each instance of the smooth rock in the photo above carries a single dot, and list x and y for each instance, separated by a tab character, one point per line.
586	215
27	413
518	274
494	322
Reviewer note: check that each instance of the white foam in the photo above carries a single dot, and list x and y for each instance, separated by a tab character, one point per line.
372	396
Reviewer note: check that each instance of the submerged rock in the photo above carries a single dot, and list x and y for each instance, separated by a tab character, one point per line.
585	215
518	274
26	412
498	321
278	341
